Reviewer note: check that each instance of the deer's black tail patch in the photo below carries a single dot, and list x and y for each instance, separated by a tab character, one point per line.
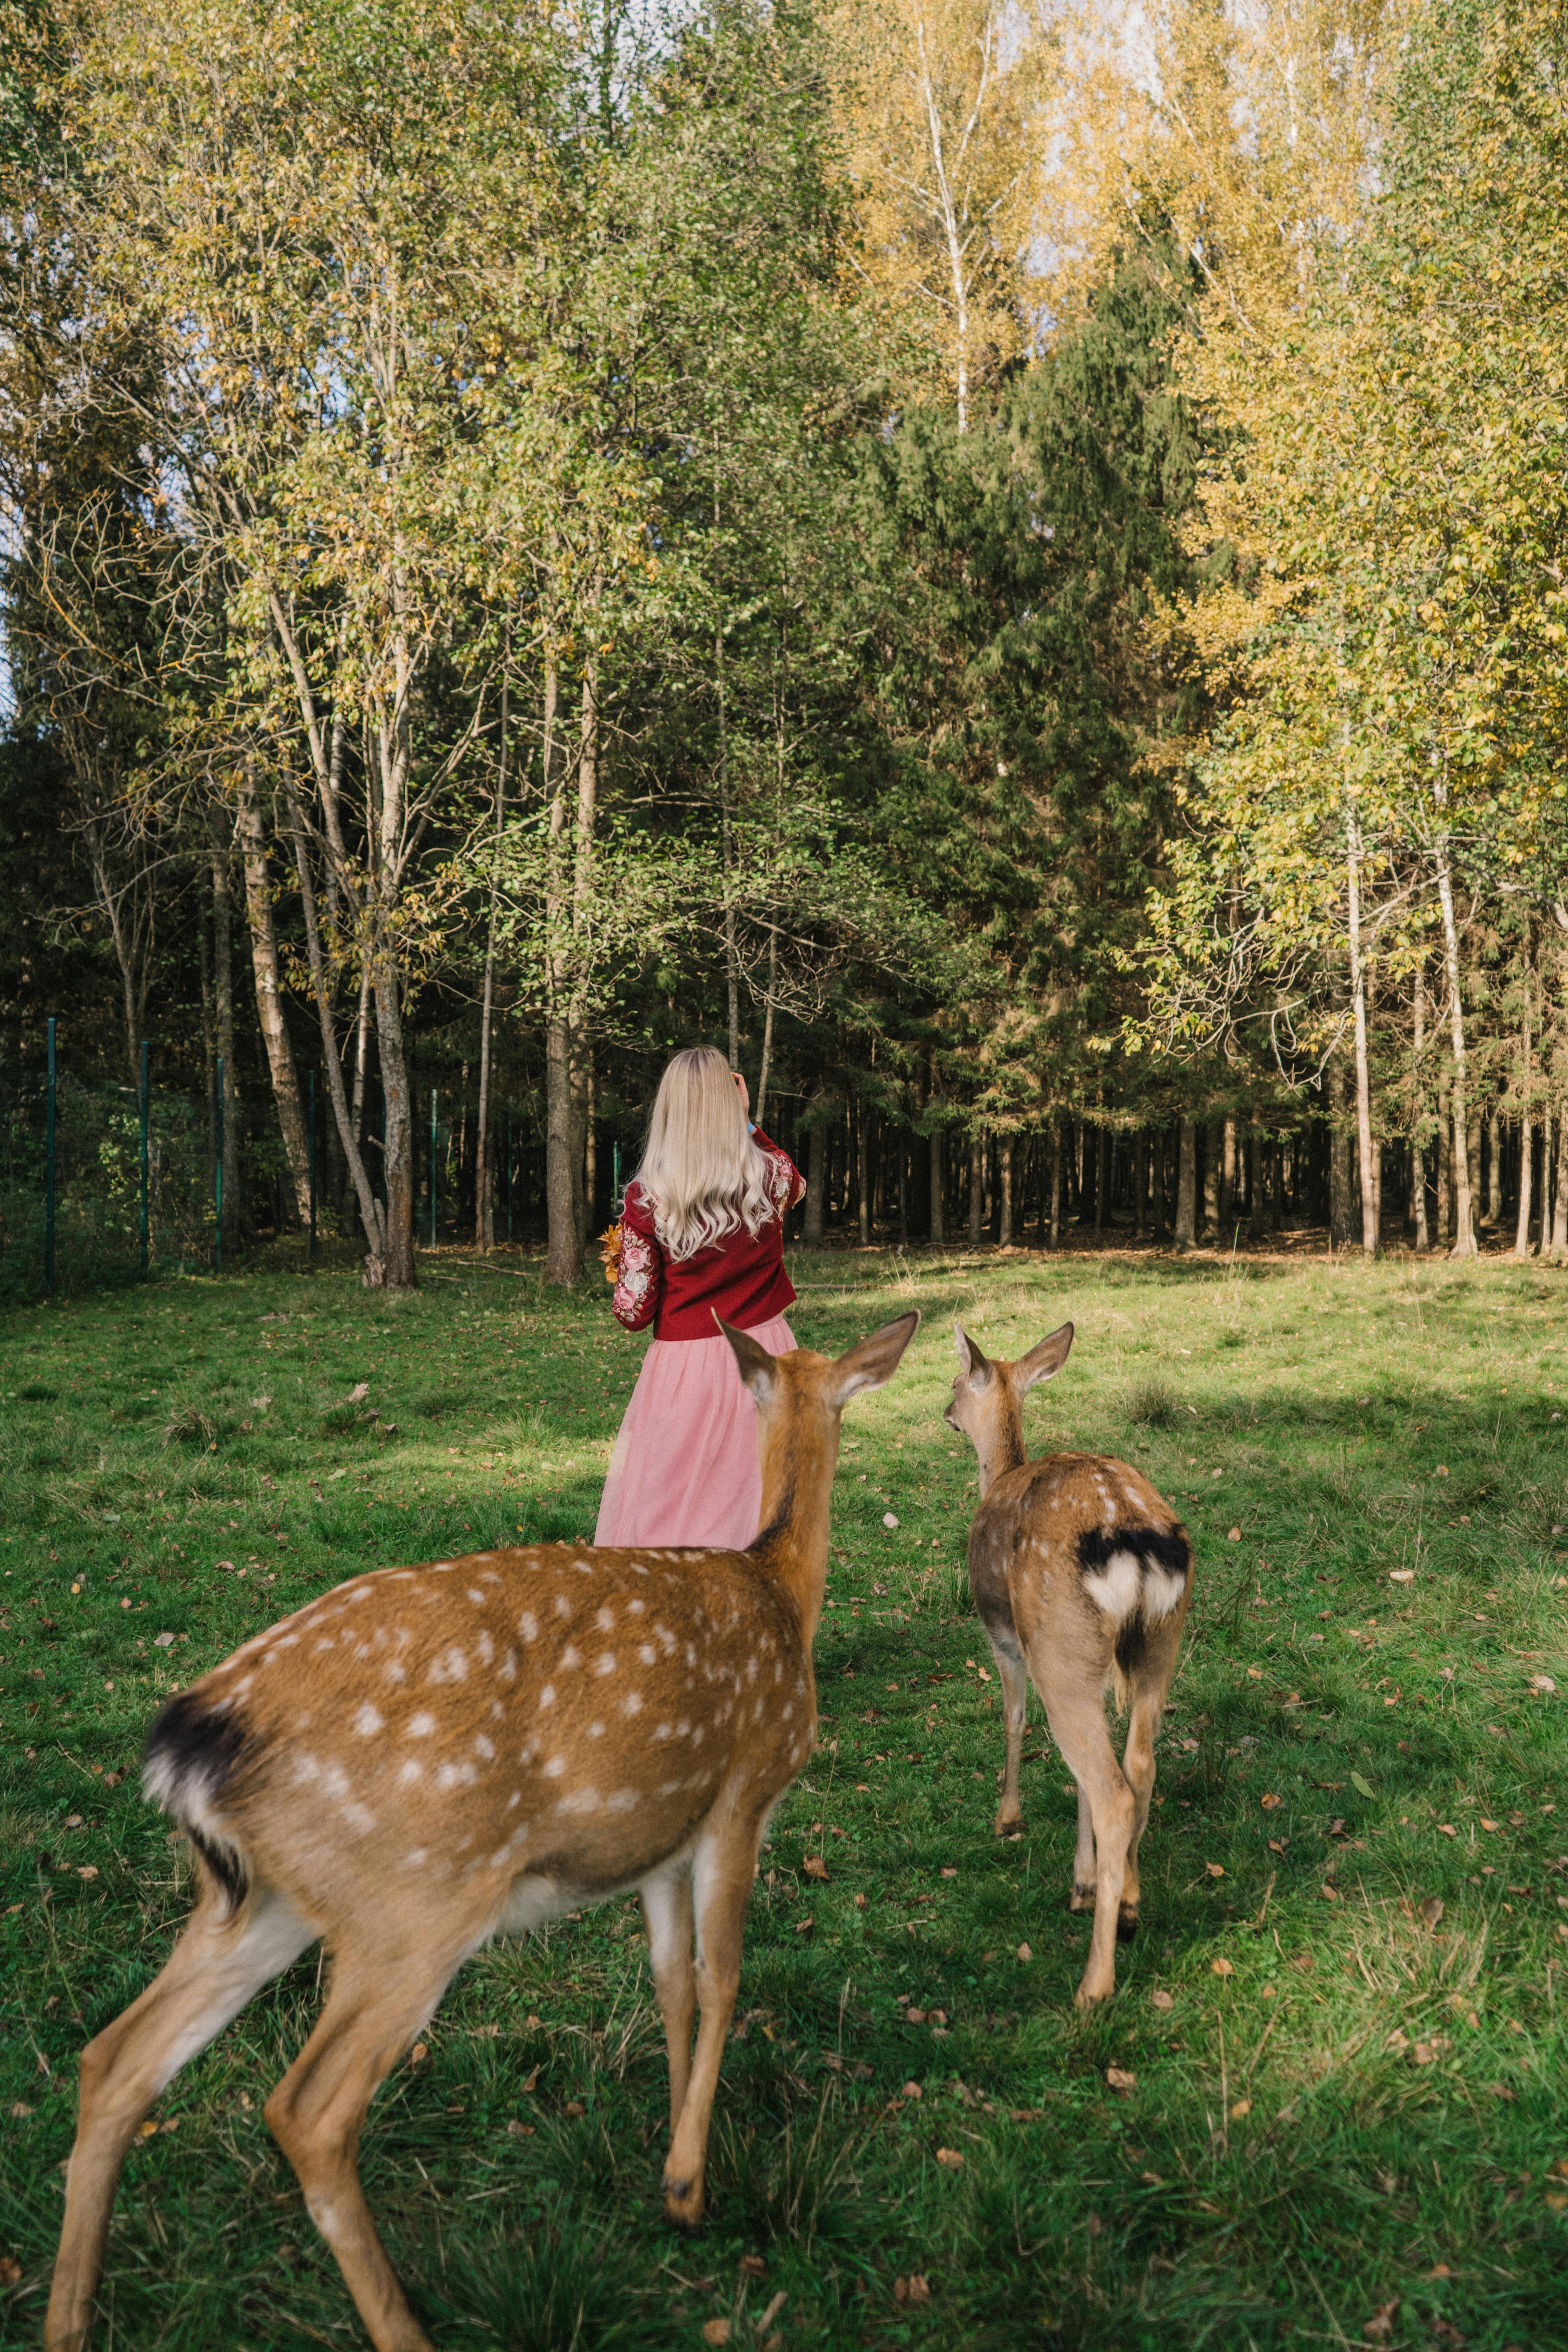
195	1754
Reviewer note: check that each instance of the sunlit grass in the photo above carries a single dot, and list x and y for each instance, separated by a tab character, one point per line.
1342	2100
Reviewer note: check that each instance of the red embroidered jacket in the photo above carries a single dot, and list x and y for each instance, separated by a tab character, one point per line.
741	1279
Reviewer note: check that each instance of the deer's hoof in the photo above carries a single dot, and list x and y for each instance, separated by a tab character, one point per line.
1084	1998
1126	1923
1081	1899
682	2203
1008	1824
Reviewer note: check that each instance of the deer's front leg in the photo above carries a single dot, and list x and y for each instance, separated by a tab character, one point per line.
668	1915
1014	1680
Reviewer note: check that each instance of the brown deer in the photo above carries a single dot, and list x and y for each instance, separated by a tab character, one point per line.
429	1757
1081	1575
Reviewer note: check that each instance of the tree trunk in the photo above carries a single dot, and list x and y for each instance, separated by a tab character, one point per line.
1214	1135
399	1270
1559	1250
268	997
977	1189
1418	1102
1186	1233
1494	1170
1340	1187
484	1212
1369	1236
1101	1180
562	1255
863	1171
815	1181
938	1187
1005	1186
223	1007
1055	1217
1465	1237
1255	1211
1445	1169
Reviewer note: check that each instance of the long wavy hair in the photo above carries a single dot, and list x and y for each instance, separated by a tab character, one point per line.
703	1175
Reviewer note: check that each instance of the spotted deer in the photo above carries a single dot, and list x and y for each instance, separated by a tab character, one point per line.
1081	1575
427	1758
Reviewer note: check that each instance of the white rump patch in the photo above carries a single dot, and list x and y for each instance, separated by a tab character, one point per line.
1161	1592
1118	1586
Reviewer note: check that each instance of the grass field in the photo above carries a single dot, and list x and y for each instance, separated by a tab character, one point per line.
1347	2119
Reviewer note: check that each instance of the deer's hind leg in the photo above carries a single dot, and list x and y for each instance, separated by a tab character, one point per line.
222	1958
1147	1691
383	1991
1075	1707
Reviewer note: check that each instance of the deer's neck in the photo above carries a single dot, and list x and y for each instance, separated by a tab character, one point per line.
1001	1446
797	1484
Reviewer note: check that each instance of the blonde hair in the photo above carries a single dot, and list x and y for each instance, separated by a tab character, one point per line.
703	1175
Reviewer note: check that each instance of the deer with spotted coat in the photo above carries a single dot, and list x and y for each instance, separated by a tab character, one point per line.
1081	1575
430	1757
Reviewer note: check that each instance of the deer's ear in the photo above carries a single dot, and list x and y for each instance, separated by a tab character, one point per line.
757	1369
1044	1360
970	1360
873	1361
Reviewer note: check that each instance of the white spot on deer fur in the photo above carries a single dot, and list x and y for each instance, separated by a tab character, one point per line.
625	1801
1118	1586
400	1575
451	1666
751	1670
636	1608
410	1771
485	1650
477	1597
579	1801
420	1726
596	1731
394	1672
663	1732
645	1652
335	1780
360	1818
507	1670
606	1620
306	1769
515	1799
554	1769
326	1643
528	1625
456	1775
664	1638
562	1606
606	1665
787	1713
482	1746
632	1703
547	1695
414	1858
584	1567
570	1655
367	1721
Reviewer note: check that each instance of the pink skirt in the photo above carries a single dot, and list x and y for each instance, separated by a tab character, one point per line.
684	1469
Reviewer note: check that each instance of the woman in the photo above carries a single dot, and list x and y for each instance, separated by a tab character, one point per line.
701	1232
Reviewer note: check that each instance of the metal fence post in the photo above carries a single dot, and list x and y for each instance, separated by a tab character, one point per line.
313	1164
434	1099
49	1175
144	1225
217	1177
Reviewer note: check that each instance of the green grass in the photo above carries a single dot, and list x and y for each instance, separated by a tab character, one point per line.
1338	2108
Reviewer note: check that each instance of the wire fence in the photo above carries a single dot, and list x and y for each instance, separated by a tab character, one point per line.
103	1184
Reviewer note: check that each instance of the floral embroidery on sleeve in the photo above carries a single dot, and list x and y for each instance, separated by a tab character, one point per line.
785	1181
637	1279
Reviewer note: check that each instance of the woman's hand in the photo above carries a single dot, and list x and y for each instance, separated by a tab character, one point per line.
740	1078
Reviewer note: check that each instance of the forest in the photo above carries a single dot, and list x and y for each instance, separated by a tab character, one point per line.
1005	565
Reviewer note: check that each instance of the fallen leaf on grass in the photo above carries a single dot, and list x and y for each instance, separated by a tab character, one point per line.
1224	1968
1120	2079
87	1870
1239	2108
358	1394
19	2108
716	2331
916	2288
1543	1684
574	2108
1234	1535
163	1641
10	2270
1271	1803
950	2158
1401	1575
1490	1825
1366	1787
889	1520
517	2129
1329	1894
419	2052
814	1867
1432	1910
1424	2053
1277	1845
803	1927
1163	2000
912	2091
1379	2328
861	1902
754	2266
1447	1829
1025	1953
1215	1869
